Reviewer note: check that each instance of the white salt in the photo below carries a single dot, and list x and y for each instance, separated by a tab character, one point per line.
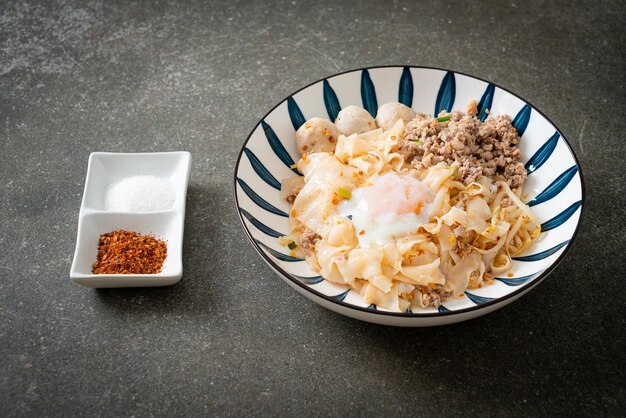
140	194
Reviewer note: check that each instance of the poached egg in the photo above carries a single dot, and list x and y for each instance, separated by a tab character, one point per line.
393	205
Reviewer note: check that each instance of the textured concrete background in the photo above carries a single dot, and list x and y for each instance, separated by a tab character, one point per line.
231	338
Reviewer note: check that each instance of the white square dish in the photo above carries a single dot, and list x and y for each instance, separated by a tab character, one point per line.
107	168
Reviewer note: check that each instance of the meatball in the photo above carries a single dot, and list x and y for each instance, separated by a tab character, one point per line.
354	120
389	113
317	135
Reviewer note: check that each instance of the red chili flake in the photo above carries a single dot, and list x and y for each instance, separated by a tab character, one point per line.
126	252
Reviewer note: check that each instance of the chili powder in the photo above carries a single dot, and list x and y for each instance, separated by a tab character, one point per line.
126	252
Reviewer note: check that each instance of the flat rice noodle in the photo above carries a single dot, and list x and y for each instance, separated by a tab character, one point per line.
458	276
314	204
424	274
477	212
388	300
369	164
289	185
455	215
441	203
311	163
341	232
437	175
352	146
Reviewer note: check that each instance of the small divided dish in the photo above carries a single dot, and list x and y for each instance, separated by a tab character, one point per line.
107	168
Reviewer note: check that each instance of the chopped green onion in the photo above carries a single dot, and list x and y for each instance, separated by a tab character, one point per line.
443	118
346	194
292	245
418	140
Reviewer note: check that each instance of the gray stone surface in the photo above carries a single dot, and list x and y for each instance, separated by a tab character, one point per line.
231	338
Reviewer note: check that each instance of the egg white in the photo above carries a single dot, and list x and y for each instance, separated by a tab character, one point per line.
384	210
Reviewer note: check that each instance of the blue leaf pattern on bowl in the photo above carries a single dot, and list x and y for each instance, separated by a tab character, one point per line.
330	101
372	307
516	281
310	280
260	226
442	308
278	254
484	106
295	114
405	90
543	254
477	299
542	154
260	169
555	187
340	297
561	218
446	94
368	94
520	122
278	147
260	202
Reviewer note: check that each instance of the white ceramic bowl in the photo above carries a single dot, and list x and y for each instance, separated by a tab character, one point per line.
106	168
554	187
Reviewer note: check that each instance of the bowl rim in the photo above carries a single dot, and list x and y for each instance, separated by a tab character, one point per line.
412	315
